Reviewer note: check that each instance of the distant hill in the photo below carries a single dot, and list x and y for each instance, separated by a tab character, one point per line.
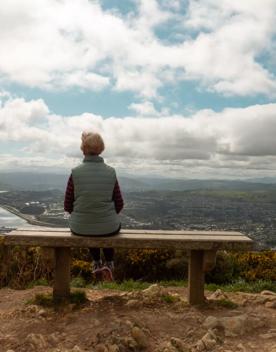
30	181
166	184
5	186
262	180
48	181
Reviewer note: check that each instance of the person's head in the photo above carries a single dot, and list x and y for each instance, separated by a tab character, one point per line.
91	143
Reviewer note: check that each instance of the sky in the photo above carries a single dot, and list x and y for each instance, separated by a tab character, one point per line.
177	88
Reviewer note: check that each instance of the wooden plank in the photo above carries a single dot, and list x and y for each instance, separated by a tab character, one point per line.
158	237
196	278
178	233
123	231
154	235
62	274
182	232
129	241
43	229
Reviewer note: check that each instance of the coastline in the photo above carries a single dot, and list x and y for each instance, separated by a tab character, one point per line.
29	218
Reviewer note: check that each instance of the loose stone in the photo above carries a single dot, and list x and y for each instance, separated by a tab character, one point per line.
271	304
37	341
42	313
268	293
113	348
178	344
211	322
218	294
140	337
133	303
76	349
241	347
101	348
234	326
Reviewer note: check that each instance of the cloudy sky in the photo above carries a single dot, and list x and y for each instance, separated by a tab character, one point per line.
177	88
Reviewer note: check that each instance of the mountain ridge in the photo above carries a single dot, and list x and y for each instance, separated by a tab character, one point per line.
48	181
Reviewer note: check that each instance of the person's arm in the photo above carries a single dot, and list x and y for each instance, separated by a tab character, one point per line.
69	195
117	198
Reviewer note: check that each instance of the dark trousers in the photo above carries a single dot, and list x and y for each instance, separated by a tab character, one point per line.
96	254
108	252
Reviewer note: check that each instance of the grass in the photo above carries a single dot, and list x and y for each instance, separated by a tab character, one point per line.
78	282
226	303
39	282
128	285
173	283
46	300
237	286
243	286
132	285
168	299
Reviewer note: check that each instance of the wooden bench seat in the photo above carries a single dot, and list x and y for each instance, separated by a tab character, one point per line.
202	246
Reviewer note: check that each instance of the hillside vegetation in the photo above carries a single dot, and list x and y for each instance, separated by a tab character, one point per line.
19	266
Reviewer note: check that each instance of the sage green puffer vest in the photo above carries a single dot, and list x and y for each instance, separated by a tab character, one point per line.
94	211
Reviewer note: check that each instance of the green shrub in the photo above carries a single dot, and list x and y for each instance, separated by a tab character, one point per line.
168	299
81	268
46	300
257	265
250	266
39	282
20	266
150	264
225	271
226	303
78	282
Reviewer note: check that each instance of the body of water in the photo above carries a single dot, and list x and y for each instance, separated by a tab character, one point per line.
8	219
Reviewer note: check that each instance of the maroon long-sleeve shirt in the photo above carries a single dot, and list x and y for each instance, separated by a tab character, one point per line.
69	196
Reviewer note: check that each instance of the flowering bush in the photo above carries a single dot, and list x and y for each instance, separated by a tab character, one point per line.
250	266
21	266
151	264
257	265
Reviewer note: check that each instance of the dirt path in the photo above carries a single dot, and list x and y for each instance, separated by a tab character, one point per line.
114	321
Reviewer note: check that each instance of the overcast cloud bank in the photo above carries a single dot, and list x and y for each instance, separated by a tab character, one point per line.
241	139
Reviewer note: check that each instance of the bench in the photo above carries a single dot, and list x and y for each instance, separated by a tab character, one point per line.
202	247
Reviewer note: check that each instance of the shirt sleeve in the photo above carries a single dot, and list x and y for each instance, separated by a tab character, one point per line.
69	195
117	197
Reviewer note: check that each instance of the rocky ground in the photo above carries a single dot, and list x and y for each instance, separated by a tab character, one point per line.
157	319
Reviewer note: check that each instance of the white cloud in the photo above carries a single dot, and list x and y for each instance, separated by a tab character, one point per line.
233	141
150	14
145	108
17	113
5	95
145	83
34	163
61	44
82	79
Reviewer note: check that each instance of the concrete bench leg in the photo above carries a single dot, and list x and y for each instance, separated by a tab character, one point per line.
62	273
196	278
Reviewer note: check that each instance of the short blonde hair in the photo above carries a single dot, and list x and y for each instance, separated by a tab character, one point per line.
92	143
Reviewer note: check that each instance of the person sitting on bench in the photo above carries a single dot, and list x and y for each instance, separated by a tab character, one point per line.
93	198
